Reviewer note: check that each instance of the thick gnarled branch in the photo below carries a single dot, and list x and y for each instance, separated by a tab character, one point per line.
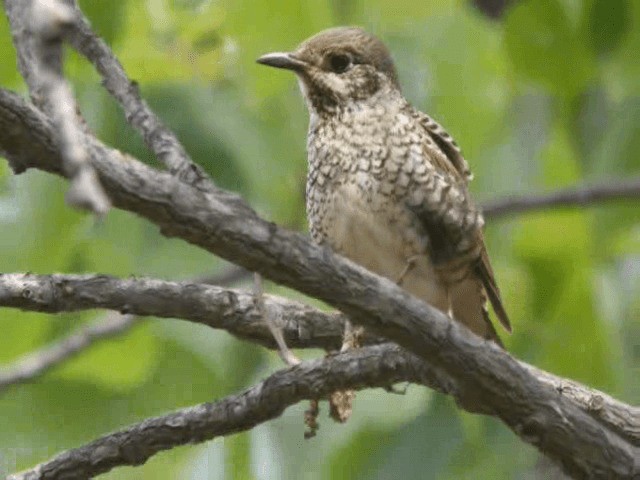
377	366
235	312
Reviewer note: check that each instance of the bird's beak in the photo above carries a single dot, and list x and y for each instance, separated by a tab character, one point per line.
284	60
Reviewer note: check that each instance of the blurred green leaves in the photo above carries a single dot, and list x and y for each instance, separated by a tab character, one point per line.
544	47
608	22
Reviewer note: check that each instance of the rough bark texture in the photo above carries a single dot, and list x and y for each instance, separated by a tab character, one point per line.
235	311
359	369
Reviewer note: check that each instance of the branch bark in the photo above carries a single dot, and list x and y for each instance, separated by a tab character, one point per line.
34	364
235	312
581	196
376	366
53	20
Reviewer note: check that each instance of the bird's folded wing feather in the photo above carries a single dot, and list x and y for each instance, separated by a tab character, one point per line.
452	221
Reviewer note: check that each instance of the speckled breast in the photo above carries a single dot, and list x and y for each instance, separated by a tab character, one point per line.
358	178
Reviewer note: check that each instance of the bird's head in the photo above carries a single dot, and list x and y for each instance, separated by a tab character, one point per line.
338	67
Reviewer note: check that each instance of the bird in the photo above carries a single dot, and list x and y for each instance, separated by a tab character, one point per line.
387	186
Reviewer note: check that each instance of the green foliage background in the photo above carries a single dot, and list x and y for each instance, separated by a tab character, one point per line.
545	97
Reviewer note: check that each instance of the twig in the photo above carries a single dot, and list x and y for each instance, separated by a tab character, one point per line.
490	381
581	196
158	138
36	363
48	21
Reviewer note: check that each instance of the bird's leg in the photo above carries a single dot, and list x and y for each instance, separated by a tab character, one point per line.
351	336
258	297
341	401
411	263
449	304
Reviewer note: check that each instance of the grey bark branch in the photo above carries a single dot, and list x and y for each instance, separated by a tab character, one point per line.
158	138
232	310
39	361
236	312
34	364
581	196
53	20
369	367
489	380
43	25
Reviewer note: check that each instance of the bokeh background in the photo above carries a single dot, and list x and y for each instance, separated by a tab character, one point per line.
545	95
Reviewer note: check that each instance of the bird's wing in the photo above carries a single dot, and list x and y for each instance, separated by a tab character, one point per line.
456	233
447	145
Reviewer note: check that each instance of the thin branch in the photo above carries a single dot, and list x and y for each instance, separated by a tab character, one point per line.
376	366
273	319
490	381
158	138
48	21
73	25
235	312
34	364
581	196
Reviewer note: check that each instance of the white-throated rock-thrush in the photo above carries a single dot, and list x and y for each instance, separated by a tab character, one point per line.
387	185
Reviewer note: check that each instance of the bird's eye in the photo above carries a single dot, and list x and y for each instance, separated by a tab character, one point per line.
339	62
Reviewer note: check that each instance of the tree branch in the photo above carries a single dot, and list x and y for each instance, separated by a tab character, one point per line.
231	310
368	367
43	24
376	366
157	137
38	362
490	381
34	364
235	311
581	196
70	23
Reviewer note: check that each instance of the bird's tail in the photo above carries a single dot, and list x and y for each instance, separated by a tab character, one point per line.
470	307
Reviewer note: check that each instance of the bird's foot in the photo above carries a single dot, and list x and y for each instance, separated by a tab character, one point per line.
351	337
411	263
